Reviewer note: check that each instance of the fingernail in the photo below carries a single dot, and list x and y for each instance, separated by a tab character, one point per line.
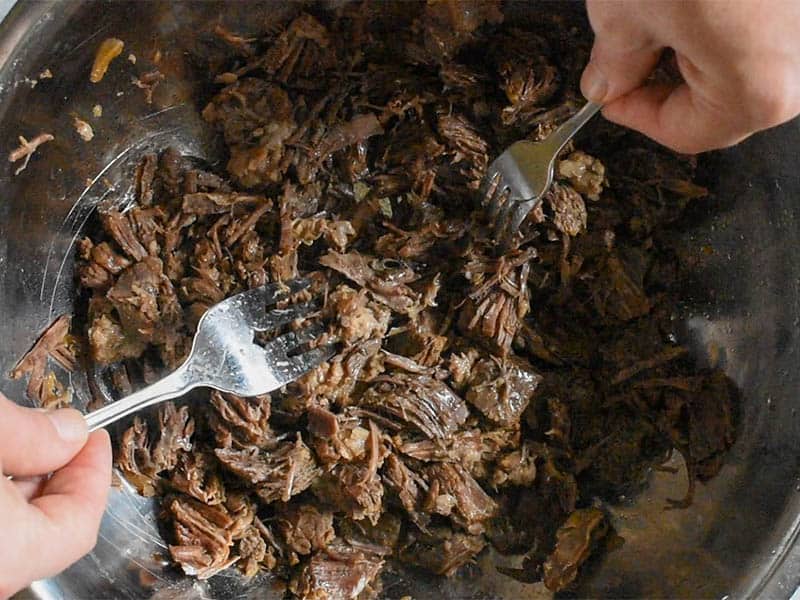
69	424
593	85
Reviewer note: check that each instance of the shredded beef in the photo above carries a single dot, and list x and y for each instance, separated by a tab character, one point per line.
203	537
442	550
419	401
275	474
454	493
339	572
502	388
57	344
479	395
304	528
575	540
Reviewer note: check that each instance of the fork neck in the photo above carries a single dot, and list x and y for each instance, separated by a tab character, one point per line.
172	386
559	138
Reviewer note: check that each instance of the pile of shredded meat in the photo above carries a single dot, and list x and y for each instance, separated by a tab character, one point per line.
479	397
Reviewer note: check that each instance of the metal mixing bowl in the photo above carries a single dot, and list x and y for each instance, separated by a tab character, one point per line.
742	312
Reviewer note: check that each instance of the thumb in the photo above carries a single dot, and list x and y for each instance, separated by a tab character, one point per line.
45	536
35	442
623	55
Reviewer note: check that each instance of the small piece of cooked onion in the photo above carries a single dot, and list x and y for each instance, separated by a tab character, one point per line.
84	129
109	49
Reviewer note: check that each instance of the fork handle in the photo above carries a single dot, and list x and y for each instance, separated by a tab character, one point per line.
172	386
559	138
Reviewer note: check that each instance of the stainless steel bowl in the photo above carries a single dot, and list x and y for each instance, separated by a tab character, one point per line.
743	312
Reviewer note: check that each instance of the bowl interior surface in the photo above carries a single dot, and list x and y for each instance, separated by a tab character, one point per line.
741	312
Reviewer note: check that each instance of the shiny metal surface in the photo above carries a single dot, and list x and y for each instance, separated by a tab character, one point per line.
518	178
742	312
225	357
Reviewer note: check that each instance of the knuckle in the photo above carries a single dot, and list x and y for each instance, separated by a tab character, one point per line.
771	101
86	541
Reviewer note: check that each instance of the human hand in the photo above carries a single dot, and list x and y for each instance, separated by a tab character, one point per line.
740	61
46	524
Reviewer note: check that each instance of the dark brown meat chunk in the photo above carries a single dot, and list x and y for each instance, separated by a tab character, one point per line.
380	539
145	175
502	388
465	447
175	428
134	460
322	423
305	528
253	552
498	300
109	343
346	439
447	25
102	263
386	279
244	108
142	456
517	467
145	301
712	424
202	536
470	150
529	82
422	402
212	203
455	494
575	540
337	234
300	51
335	380
340	572
353	489
43	386
241	422
355	131
119	228
620	291
569	210
276	474
195	475
408	487
442	551
358	318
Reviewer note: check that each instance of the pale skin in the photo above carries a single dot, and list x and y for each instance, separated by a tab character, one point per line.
740	61
50	508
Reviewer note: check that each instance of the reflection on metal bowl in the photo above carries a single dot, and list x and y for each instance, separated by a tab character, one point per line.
737	539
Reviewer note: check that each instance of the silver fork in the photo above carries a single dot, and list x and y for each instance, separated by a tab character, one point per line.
517	179
225	357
